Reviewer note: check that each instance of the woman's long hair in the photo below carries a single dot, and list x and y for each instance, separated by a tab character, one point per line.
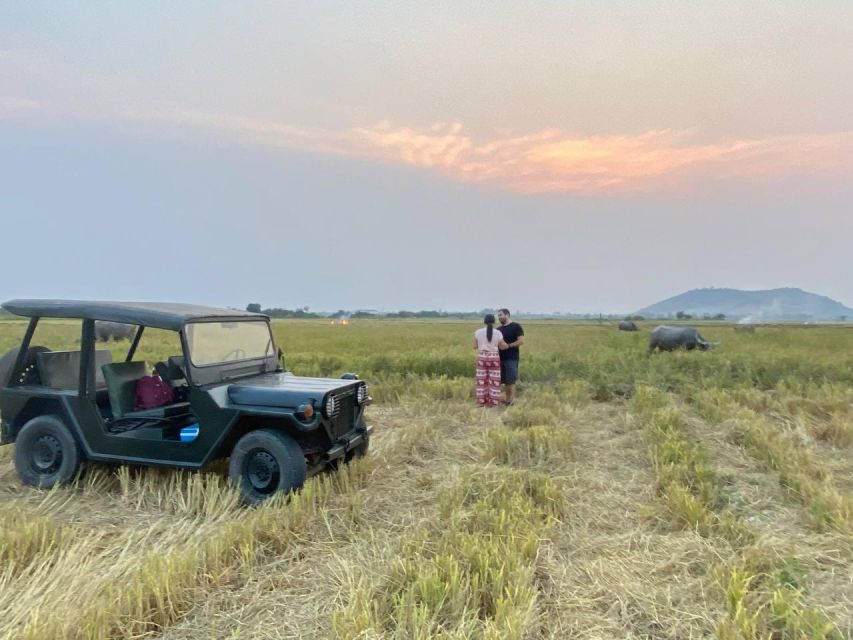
489	321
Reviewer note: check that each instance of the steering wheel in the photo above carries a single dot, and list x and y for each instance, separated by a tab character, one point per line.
239	354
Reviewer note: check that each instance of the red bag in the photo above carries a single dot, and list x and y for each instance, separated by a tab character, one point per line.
152	392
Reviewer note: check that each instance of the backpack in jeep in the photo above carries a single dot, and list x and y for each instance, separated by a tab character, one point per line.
152	392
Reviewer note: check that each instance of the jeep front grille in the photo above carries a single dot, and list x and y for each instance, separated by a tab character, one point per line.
343	420
337	408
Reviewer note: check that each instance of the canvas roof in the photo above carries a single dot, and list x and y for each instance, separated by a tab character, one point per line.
161	315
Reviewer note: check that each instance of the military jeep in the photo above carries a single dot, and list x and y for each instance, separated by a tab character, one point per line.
63	408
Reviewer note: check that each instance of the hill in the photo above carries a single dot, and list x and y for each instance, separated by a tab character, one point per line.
772	304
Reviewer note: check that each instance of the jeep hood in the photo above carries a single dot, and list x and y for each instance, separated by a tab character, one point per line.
285	390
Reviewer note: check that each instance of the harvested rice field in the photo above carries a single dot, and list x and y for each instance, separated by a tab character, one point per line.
625	495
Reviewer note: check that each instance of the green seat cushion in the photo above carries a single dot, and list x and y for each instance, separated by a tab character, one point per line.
121	379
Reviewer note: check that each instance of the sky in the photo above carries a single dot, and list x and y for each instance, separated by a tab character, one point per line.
544	156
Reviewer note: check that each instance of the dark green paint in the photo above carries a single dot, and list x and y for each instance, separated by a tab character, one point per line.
258	394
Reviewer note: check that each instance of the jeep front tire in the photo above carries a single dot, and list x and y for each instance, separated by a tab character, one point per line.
46	453
264	462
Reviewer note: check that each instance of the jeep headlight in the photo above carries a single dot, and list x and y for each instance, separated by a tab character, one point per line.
331	407
362	394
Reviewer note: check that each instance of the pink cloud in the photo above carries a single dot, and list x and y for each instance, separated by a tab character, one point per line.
552	161
548	160
442	146
539	162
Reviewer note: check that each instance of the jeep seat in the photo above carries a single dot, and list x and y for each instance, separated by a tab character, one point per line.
172	371
121	379
61	369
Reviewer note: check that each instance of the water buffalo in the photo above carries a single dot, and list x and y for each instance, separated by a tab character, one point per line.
668	338
106	331
628	325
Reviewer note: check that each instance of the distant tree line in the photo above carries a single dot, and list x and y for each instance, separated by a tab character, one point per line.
276	312
681	315
305	312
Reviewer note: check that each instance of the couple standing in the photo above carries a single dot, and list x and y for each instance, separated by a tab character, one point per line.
497	358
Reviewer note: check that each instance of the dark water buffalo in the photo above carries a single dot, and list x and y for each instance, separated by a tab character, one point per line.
106	331
668	338
628	325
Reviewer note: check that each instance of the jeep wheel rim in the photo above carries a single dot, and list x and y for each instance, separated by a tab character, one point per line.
47	455
262	471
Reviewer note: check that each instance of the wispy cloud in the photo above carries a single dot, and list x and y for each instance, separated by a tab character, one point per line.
548	160
551	160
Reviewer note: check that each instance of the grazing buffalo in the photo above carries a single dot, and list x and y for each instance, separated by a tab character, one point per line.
106	331
628	325
668	338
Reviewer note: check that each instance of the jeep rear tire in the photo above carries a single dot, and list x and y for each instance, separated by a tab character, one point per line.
46	453
265	462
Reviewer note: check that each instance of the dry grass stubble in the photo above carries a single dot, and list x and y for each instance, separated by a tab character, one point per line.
296	595
783	528
432	535
614	572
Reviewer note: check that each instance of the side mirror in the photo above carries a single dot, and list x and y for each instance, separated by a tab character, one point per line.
281	359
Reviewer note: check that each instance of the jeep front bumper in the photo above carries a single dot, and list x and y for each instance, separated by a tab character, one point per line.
348	442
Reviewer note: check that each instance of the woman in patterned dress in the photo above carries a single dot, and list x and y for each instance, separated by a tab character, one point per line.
488	342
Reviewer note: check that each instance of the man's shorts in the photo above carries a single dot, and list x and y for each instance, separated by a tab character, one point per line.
509	371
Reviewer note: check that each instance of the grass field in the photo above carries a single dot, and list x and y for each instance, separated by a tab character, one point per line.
683	495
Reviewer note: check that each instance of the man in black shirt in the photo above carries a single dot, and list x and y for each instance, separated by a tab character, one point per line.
514	337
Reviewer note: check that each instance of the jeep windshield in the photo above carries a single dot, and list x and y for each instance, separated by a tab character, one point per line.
212	343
